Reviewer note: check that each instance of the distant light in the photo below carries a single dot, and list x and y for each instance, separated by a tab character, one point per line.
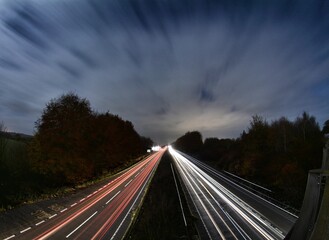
148	150
156	148
170	149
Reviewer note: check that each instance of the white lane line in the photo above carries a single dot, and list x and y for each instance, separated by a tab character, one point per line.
226	196
81	225
63	210
221	176
53	216
10	237
112	197
25	230
128	183
124	219
137	174
73	204
194	187
82	199
37	224
180	201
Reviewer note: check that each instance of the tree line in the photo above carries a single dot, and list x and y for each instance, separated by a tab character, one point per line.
72	144
277	155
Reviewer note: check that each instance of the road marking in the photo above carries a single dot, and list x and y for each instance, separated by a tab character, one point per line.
10	237
73	204
112	197
82	199
180	201
128	183
25	230
137	174
116	231
53	216
37	224
64	210
81	225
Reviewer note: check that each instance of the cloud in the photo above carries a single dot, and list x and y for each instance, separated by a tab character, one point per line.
168	67
10	65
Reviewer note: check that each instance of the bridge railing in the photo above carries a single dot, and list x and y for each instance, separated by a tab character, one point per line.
313	222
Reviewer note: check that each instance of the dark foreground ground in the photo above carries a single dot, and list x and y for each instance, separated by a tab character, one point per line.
161	216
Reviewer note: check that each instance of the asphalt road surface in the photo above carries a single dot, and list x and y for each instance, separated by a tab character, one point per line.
227	210
104	214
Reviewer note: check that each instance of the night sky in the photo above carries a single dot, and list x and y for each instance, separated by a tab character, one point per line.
168	66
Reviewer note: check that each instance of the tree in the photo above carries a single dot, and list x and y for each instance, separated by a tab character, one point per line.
307	126
113	140
325	129
3	143
3	146
308	143
191	142
73	143
281	135
147	143
62	136
255	147
214	149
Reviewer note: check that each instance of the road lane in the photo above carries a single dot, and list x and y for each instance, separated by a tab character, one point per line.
100	214
279	216
223	213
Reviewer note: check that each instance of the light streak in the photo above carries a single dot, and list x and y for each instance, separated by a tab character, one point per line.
99	196
201	183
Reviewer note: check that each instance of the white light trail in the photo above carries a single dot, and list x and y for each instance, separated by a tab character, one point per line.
200	181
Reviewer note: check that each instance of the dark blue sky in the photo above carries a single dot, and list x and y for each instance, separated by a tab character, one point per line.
168	66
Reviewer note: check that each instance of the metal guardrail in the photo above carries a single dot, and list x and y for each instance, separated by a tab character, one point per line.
313	205
313	222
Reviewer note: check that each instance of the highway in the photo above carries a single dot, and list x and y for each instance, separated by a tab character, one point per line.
104	214
227	210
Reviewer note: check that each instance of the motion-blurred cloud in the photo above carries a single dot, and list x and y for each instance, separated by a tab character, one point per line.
167	66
